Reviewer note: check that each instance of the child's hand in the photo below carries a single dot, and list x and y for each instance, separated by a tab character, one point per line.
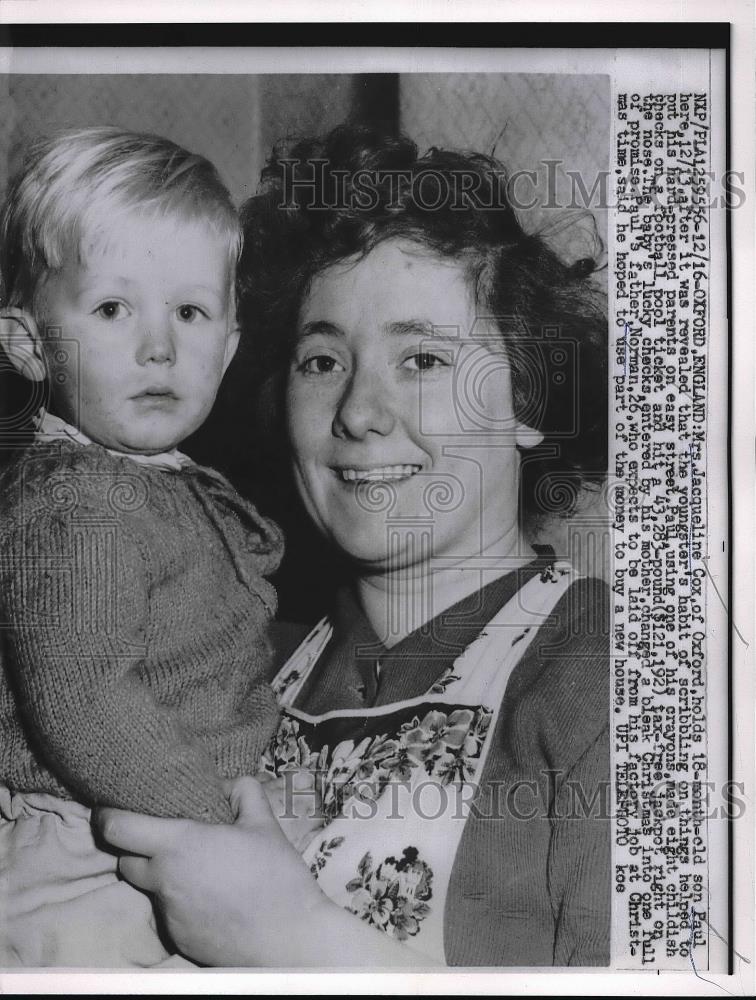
225	891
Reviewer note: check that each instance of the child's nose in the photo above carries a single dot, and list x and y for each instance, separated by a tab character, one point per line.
157	344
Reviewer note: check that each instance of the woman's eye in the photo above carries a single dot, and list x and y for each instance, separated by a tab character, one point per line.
320	364
111	310
189	314
425	361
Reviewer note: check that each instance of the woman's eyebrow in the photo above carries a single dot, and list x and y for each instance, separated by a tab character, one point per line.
397	328
319	326
414	328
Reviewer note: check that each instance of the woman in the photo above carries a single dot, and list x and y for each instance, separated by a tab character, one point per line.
450	719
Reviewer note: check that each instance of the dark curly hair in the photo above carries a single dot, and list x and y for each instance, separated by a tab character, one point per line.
325	200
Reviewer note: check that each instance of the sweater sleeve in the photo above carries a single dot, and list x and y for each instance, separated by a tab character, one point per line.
579	866
579	861
78	605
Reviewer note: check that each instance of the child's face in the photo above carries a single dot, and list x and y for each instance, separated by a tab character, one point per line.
149	312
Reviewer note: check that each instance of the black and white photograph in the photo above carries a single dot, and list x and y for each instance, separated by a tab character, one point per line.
366	509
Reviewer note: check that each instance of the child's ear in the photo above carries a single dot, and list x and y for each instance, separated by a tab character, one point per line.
20	339
232	342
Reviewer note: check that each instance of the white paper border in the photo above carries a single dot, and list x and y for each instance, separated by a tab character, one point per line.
741	14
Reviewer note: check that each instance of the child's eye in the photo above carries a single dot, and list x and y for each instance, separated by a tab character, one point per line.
320	364
190	314
111	310
425	361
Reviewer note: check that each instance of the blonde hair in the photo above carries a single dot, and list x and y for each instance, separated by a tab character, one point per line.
73	182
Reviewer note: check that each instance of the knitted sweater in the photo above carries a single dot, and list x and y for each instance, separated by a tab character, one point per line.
133	619
531	882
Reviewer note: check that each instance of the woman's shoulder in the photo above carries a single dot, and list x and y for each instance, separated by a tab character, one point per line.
585	610
560	690
579	625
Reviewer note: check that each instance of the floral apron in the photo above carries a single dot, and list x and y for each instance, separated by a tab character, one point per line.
395	784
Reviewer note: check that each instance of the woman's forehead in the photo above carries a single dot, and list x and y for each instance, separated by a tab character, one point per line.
398	281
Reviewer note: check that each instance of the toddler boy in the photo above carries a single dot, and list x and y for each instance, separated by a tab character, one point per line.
133	602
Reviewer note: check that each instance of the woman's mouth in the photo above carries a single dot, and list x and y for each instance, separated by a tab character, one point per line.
378	473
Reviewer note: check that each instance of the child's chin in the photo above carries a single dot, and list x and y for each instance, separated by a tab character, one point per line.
150	448
152	440
147	445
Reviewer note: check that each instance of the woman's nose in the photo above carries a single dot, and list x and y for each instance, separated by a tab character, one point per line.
366	406
157	345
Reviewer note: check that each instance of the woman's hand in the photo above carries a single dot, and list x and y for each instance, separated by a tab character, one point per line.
241	895
228	893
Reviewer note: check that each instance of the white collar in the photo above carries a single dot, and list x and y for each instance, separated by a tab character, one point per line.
49	427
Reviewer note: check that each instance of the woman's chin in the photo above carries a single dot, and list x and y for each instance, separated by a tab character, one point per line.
365	557
382	557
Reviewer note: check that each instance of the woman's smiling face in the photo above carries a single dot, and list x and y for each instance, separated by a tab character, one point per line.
399	407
